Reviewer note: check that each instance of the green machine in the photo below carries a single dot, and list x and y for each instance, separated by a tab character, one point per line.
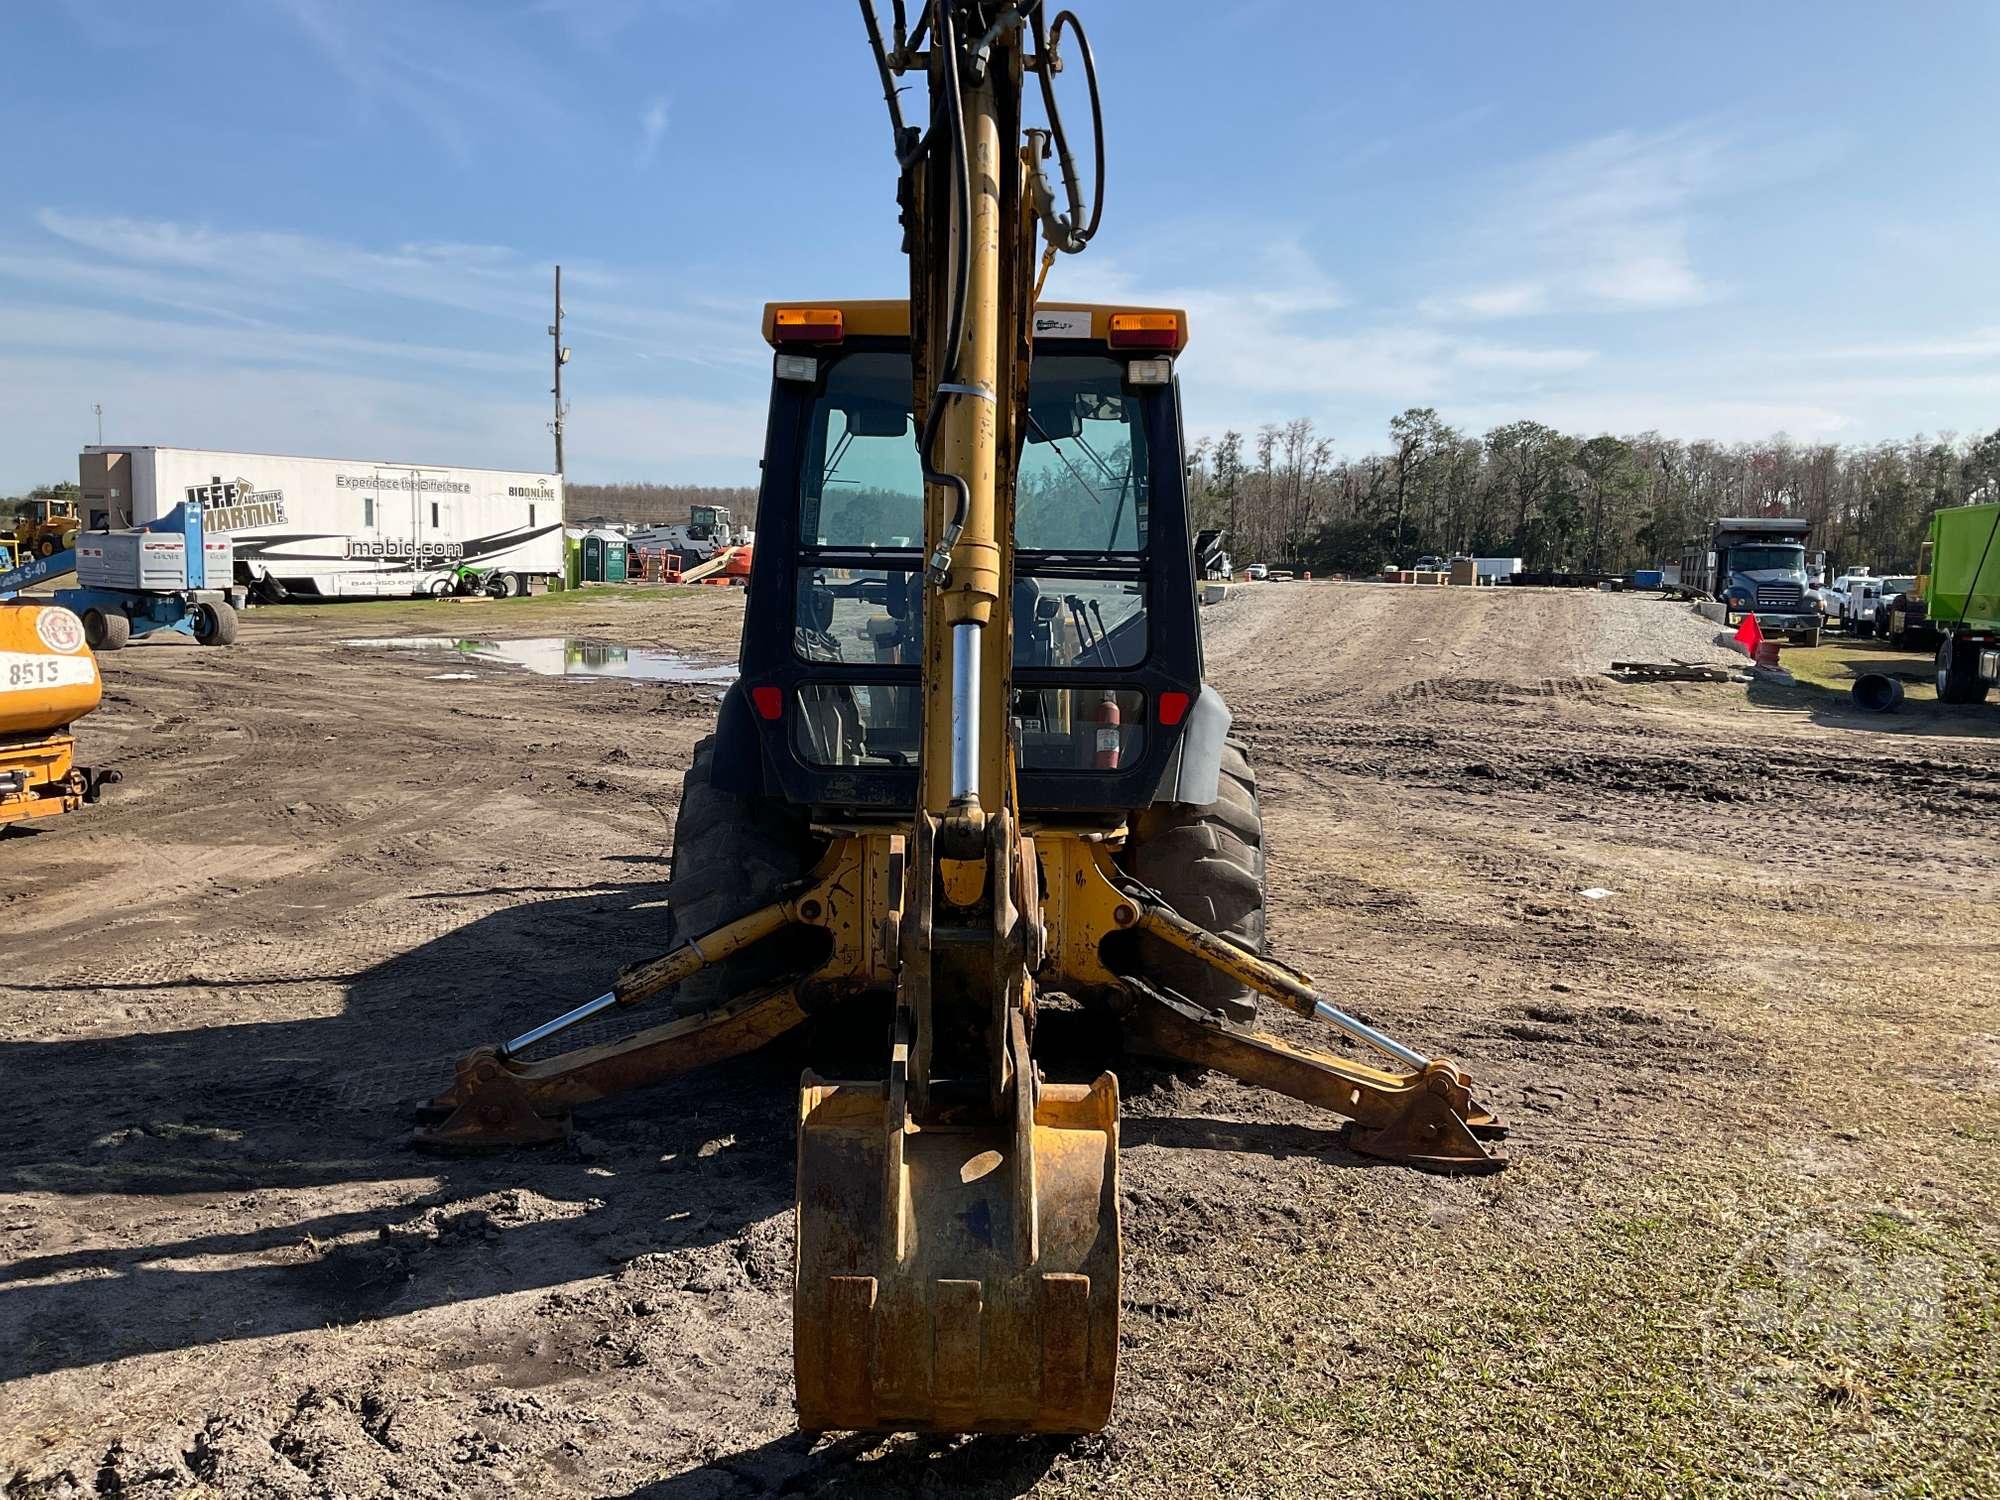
1959	580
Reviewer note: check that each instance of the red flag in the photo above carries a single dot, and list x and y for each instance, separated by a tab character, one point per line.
1749	635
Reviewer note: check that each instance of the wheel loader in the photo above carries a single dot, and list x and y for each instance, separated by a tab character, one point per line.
970	767
43	527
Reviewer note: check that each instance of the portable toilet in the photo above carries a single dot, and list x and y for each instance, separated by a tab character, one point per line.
572	559
603	557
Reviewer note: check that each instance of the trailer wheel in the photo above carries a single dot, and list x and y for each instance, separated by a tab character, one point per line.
1958	679
106	632
215	624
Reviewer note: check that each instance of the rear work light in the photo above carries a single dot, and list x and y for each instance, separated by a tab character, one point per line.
802	367
1150	371
1145	331
806	325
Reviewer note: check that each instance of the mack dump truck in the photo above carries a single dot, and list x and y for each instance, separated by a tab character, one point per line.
1755	565
1960	587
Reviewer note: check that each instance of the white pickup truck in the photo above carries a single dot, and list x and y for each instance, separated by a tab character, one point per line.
1865	598
1833	597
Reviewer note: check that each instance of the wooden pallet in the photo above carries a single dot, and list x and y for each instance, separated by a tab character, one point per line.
1669	671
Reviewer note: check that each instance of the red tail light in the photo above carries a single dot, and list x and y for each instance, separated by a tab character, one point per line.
1173	708
769	701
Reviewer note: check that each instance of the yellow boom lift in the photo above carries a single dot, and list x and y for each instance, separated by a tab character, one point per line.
981	776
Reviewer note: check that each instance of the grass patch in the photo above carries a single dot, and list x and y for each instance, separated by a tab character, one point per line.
1705	1333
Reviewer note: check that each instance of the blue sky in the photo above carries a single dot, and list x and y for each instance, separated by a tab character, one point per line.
326	226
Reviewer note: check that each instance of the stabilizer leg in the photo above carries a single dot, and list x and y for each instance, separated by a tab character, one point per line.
1422	1119
496	1102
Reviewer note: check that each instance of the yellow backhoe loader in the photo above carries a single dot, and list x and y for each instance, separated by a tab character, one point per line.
970	765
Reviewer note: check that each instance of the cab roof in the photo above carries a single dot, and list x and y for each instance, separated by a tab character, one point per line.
890	318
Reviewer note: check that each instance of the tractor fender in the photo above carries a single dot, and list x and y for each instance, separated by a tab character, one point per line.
739	749
1192	775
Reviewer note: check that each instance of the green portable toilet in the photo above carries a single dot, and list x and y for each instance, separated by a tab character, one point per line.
603	557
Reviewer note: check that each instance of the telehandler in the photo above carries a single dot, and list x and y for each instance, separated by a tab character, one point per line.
970	764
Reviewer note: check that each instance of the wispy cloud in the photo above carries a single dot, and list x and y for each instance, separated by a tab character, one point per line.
1272	335
1512	301
447	76
277	340
1611	223
652	130
1976	343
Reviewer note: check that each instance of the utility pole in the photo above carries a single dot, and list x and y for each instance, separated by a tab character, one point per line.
98	407
561	359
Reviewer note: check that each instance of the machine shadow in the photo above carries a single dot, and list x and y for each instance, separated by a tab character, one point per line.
1833	709
978	1468
217	1116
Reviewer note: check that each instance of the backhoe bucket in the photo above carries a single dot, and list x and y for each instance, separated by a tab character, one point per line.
956	1277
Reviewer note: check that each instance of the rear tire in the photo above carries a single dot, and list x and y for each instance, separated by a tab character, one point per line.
1208	862
1958	679
106	631
731	855
214	624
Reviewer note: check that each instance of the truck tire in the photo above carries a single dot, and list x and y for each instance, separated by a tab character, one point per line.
731	855
1208	862
215	624
1958	679
106	630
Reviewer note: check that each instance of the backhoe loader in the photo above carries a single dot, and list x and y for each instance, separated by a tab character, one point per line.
970	765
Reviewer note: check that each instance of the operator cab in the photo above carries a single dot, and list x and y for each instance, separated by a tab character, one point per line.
1107	660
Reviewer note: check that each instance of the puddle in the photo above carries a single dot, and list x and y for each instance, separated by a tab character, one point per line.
560	656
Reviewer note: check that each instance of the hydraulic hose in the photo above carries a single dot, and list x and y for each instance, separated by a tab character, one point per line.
1072	232
948	116
945	35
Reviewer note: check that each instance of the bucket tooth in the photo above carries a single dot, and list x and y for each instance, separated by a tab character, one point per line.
947	1312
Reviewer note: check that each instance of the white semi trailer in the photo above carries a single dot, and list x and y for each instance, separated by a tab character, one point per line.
339	528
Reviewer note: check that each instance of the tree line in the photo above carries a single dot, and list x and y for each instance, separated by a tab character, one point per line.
1566	503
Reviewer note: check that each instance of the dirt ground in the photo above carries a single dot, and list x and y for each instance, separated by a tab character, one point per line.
1726	956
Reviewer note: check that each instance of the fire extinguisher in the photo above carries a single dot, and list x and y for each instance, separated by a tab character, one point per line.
1107	732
